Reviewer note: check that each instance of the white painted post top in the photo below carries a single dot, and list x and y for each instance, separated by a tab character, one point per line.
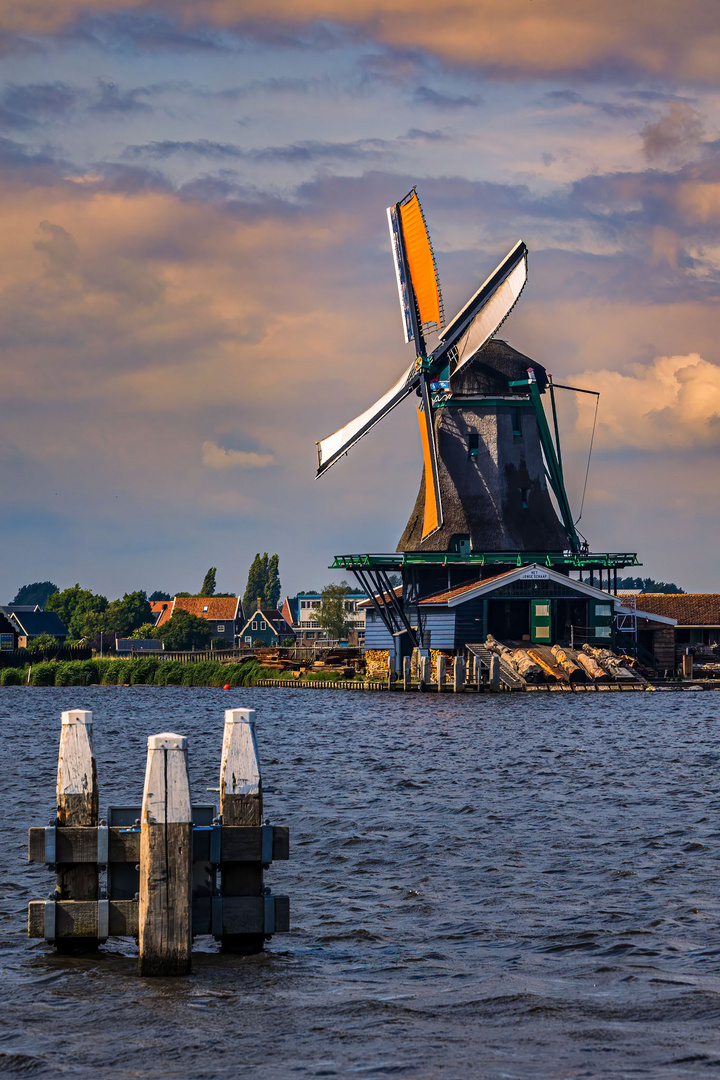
166	740
239	716
78	716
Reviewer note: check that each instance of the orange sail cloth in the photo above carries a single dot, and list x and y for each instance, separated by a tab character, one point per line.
421	262
431	520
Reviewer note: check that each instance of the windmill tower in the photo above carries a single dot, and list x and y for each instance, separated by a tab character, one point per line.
486	443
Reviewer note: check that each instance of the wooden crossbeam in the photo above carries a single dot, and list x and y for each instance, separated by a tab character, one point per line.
238	843
79	918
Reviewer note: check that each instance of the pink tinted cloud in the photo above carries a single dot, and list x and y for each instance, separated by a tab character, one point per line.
664	38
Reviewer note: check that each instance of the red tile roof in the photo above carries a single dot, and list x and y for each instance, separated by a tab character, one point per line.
690	609
221	608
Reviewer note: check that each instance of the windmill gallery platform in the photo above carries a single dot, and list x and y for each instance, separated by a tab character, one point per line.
491	547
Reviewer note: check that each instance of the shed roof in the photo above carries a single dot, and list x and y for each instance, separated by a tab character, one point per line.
535	572
217	608
689	609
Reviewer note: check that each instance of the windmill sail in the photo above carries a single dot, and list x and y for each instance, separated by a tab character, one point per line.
485	312
337	444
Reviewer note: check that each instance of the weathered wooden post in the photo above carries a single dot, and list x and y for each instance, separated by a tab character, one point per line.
77	807
440	670
166	841
241	803
407	672
687	665
495	673
459	675
392	670
424	671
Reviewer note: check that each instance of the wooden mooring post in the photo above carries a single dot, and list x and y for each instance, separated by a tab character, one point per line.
441	670
241	803
495	673
459	675
166	851
424	672
77	807
163	858
407	672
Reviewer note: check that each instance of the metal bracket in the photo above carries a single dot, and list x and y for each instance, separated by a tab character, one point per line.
269	915
103	920
50	920
51	844
267	845
103	845
215	844
216	916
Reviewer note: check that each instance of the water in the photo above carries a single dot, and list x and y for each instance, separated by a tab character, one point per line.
503	887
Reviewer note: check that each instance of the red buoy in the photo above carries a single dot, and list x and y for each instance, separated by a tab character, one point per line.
226	686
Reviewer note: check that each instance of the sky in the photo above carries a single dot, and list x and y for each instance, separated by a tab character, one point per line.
197	284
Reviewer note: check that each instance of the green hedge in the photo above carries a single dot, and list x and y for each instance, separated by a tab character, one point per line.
147	671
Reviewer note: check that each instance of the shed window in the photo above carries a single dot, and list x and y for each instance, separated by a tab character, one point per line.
221	628
602	631
473	446
603	610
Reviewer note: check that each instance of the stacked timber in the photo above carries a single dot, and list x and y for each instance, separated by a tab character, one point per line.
608	661
571	669
592	668
553	675
518	659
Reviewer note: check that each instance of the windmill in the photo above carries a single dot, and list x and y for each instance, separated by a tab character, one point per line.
488	454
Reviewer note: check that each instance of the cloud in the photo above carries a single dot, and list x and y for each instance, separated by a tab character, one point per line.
425	95
547	36
677	132
200	147
671	403
111	99
217	457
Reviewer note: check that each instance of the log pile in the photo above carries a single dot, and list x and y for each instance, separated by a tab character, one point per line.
518	659
571	669
607	660
592	668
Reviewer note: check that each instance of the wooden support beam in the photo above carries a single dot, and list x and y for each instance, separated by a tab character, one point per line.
495	673
407	672
241	803
77	806
164	916
459	675
241	915
241	843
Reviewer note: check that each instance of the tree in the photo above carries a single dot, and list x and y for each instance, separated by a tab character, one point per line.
184	631
124	616
208	585
271	591
158	595
37	593
263	581
254	586
332	613
147	630
44	643
649	585
73	605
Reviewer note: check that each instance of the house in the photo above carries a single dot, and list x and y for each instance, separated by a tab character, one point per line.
31	622
8	634
157	607
266	626
696	617
304	606
224	613
531	603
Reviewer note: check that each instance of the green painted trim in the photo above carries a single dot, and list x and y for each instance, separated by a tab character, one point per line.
461	403
572	560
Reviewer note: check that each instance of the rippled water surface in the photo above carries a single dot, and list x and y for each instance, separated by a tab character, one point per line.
510	887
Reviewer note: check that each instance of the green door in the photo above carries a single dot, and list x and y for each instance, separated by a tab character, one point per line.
540	622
